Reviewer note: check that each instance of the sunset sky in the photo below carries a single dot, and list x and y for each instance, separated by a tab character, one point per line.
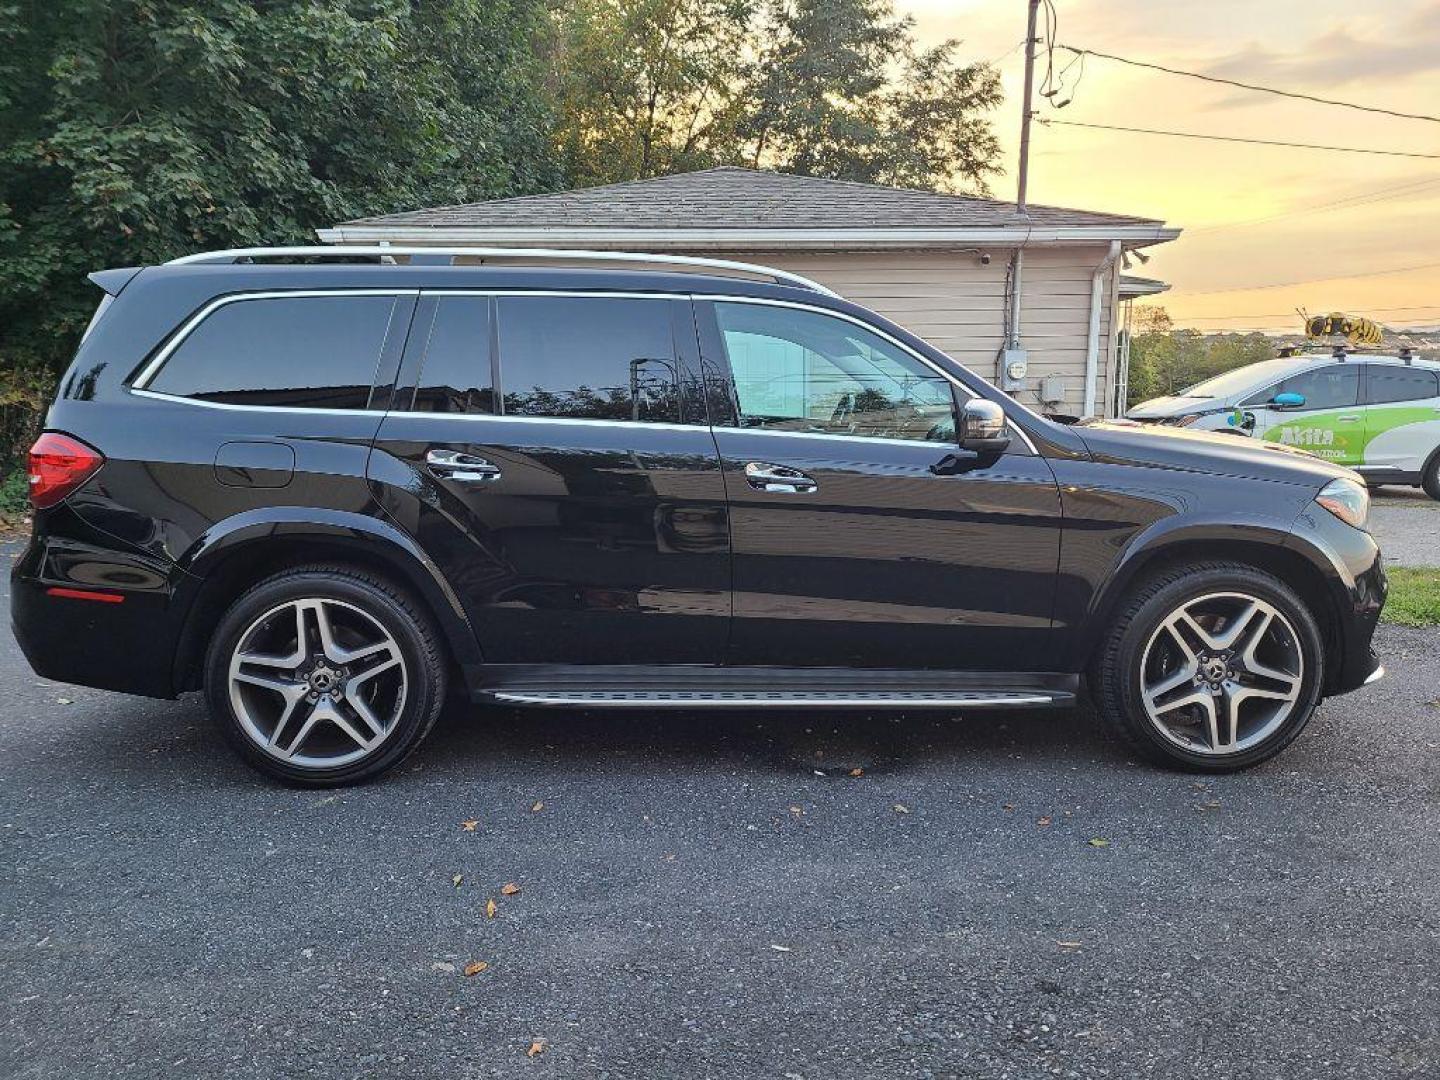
1257	219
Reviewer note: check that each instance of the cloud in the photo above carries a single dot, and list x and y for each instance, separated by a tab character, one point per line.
1343	56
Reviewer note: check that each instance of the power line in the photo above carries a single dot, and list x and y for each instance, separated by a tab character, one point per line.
1349	202
1252	86
1311	281
1291	314
1237	139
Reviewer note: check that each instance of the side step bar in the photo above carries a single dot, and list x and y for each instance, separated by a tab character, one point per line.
687	699
705	686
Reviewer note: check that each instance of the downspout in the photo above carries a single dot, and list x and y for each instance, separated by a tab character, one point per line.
1092	350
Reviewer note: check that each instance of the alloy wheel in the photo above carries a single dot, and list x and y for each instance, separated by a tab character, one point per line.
317	683
1221	673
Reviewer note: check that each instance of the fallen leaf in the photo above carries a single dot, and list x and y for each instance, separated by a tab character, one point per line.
857	772
490	908
537	1047
1008	806
469	826
901	808
797	811
1043	821
1097	841
475	968
509	889
457	879
537	807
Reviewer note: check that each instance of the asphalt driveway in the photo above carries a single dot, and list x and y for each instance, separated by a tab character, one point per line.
719	896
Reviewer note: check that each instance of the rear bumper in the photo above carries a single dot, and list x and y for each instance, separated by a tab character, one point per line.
127	645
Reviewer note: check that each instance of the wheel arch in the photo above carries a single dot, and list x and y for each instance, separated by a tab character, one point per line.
1294	560
236	553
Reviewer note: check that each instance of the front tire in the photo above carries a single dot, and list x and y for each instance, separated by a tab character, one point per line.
325	675
1431	480
1211	667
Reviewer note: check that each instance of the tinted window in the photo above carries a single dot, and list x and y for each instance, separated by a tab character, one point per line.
455	366
316	351
594	358
802	371
1331	387
1385	384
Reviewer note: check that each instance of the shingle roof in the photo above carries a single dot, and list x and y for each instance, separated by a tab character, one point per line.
732	197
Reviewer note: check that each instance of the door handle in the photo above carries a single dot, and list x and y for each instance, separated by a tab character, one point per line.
1348	418
462	468
766	477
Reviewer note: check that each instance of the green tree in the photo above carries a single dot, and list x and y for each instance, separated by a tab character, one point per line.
648	87
1165	360
834	88
135	130
840	89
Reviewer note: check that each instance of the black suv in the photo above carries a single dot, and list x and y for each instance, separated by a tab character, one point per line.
330	489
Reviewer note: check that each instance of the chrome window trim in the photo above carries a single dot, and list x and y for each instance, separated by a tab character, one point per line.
140	382
303	410
150	370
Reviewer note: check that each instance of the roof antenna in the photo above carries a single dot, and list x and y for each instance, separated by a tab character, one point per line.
1338	352
1407	354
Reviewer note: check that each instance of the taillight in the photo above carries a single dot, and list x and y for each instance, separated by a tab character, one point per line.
59	465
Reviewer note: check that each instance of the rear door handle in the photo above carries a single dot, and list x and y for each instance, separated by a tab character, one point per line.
460	467
763	476
1348	418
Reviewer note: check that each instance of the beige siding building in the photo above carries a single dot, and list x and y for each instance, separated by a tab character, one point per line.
943	266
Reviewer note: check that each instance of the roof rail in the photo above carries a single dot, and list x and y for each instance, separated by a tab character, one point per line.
232	255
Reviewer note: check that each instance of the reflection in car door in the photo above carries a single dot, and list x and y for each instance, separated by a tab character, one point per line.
861	535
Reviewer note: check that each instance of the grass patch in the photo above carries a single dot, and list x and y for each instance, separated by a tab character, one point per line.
1414	596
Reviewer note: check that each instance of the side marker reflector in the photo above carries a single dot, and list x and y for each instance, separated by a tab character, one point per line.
86	594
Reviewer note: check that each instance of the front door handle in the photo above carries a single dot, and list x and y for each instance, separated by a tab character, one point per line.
460	467
766	477
1348	418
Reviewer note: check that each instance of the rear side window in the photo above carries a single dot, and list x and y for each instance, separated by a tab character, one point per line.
1384	384
588	357
315	351
1334	387
455	367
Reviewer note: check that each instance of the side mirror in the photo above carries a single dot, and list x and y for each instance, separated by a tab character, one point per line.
982	427
1288	400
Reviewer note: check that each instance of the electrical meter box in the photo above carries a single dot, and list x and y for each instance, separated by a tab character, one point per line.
1014	365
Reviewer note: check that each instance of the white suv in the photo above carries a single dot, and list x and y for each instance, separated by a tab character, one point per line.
1380	415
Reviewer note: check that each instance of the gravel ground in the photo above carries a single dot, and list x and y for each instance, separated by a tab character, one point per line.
1406	522
697	899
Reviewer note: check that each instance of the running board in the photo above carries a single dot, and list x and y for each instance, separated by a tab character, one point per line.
703	686
658	699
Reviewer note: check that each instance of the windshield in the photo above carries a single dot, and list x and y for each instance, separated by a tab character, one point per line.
1238	381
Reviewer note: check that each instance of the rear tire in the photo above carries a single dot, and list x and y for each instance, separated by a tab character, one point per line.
325	675
1210	667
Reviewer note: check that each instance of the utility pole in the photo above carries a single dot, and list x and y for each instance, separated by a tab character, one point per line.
1025	110
1013	363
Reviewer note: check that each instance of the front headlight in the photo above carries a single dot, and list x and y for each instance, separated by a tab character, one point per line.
1346	499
